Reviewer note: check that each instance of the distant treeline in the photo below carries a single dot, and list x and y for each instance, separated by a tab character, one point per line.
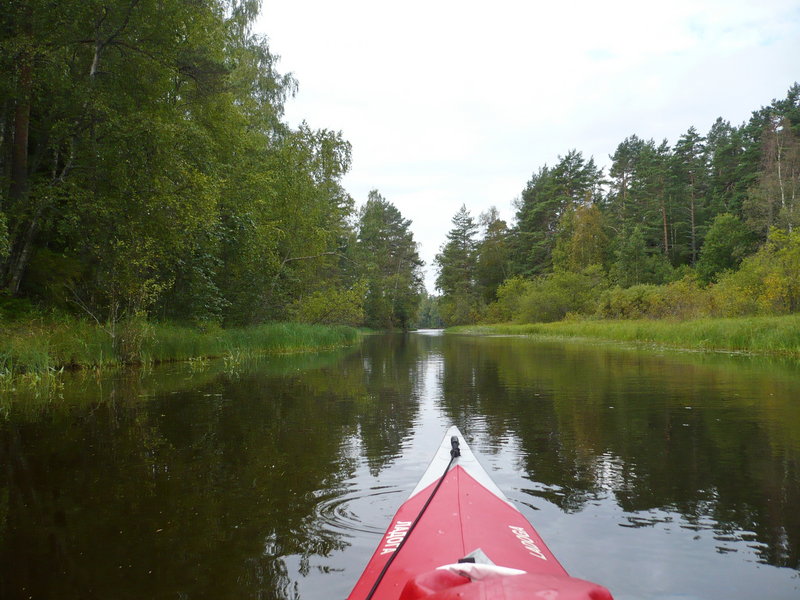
146	172
705	227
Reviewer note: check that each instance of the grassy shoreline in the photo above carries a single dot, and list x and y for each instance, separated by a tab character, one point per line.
756	335
43	345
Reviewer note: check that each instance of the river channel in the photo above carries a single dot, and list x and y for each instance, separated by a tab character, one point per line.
661	475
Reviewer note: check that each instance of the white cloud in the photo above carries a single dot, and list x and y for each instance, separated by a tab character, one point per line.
457	102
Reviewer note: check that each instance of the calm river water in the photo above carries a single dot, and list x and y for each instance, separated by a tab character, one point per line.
660	475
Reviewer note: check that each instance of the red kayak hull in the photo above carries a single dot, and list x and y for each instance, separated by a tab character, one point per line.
467	513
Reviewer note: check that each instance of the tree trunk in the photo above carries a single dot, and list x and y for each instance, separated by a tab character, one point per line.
19	151
693	233
19	260
18	190
6	139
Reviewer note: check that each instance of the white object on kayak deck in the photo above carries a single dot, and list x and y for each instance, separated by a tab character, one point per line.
479	571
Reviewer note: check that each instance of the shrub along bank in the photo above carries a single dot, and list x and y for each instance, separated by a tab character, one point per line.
766	283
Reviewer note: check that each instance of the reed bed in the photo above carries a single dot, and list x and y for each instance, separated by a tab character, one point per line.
43	345
759	335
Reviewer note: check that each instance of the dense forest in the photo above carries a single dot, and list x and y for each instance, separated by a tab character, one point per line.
146	171
706	226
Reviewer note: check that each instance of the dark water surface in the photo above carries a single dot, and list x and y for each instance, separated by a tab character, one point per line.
659	475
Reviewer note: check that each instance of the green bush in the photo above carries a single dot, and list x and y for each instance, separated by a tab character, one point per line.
509	295
727	242
767	283
49	278
682	299
634	302
736	293
781	293
130	337
547	298
551	297
460	309
15	309
638	264
333	306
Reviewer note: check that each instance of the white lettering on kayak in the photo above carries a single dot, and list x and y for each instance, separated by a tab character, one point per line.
527	543
395	536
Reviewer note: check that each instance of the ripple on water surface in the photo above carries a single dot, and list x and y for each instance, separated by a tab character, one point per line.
354	510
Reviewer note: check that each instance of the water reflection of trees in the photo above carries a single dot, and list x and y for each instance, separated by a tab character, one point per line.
195	483
386	393
714	439
209	484
192	493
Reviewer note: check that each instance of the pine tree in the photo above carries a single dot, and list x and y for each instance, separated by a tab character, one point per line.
543	201
689	182
492	266
457	266
622	201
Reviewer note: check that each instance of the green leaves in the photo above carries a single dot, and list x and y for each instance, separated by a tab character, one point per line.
159	162
334	305
4	246
457	278
728	241
573	181
387	256
636	263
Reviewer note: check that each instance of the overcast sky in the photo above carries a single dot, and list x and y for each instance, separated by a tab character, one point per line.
458	102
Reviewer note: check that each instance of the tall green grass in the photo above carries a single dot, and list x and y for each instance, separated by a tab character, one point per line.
762	335
172	342
42	344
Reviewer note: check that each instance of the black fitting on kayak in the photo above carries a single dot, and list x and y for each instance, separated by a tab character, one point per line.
454	449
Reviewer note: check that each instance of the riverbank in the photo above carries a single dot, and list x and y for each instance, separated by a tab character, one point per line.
758	335
43	345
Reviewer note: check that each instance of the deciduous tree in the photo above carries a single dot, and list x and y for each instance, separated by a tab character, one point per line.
727	242
390	262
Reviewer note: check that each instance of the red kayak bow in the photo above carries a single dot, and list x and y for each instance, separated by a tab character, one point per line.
458	537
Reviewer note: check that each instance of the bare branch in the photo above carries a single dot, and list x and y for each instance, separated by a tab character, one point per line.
80	303
286	260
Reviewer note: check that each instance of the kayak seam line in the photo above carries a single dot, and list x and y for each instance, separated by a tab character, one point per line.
460	520
378	581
